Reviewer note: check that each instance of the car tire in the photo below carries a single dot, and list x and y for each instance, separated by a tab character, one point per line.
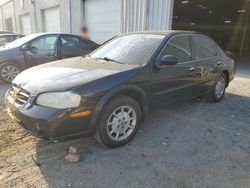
119	122
8	71
218	90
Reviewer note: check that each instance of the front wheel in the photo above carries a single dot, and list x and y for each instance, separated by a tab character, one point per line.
8	71
218	90
119	122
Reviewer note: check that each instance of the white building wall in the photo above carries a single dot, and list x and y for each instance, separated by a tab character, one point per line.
65	15
133	15
1	19
76	15
9	12
141	15
27	9
160	14
136	15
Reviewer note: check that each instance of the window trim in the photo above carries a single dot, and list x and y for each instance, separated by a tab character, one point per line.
214	44
170	39
81	40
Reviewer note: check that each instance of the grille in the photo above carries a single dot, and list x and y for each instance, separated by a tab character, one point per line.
18	95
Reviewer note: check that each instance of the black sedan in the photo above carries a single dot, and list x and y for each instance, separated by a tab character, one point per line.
112	90
36	49
7	38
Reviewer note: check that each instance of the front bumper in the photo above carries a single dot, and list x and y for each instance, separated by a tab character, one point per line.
49	123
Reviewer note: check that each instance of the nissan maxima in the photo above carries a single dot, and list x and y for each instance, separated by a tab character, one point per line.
109	92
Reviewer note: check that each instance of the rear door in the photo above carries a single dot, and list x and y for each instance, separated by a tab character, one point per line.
206	54
177	82
72	46
41	50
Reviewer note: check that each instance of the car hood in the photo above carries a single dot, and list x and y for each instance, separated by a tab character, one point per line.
66	74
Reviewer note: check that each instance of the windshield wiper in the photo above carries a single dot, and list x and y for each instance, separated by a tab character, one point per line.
109	59
105	59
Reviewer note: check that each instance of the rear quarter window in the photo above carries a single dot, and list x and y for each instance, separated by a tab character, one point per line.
204	47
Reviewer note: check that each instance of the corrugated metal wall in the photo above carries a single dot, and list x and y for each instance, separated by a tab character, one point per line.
136	15
8	12
160	14
1	19
29	9
76	7
140	15
65	16
133	15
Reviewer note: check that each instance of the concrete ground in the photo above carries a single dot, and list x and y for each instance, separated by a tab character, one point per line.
195	144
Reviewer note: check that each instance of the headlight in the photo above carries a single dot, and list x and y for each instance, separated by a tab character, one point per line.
59	100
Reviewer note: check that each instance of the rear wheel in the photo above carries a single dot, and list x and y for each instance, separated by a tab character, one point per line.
218	90
8	71
119	122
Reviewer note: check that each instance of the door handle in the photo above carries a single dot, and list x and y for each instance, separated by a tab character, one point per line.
191	69
50	54
218	63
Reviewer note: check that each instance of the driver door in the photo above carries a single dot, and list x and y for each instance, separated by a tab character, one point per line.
41	50
72	46
175	82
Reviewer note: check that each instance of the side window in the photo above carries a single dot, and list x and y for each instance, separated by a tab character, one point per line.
44	43
6	39
70	41
204	47
179	47
2	40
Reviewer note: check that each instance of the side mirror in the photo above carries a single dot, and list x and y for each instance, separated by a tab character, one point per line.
24	47
167	60
230	54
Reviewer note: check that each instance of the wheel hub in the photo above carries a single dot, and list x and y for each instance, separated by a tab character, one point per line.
121	123
9	72
220	87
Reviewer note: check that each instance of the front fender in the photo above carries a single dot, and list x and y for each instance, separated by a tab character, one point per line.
130	90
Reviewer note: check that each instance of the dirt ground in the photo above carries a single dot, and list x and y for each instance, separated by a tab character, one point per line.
196	144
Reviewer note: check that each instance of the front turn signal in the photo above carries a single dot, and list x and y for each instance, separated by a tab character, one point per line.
81	114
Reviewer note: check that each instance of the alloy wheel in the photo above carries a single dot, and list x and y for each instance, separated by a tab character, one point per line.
220	87
121	123
9	72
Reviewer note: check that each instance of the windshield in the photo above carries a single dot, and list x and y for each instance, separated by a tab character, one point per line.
21	41
135	49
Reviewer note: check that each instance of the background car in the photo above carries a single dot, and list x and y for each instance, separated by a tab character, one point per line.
36	49
6	32
111	91
7	38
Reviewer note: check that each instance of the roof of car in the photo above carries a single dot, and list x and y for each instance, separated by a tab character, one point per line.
165	32
10	34
53	33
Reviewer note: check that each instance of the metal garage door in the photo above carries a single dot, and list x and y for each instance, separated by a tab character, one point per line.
103	18
25	24
52	21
